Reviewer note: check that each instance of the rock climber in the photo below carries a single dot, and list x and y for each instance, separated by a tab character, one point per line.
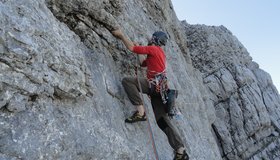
155	85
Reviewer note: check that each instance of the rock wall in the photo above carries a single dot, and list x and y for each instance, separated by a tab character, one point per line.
245	100
61	96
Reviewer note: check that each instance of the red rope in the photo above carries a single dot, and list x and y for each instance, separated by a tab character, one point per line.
149	125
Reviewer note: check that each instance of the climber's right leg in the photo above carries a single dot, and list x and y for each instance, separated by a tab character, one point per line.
168	128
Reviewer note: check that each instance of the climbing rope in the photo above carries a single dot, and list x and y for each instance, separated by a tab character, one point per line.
146	109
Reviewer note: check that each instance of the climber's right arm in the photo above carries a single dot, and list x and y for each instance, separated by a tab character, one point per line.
128	43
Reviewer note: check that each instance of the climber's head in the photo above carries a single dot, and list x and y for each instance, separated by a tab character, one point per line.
159	38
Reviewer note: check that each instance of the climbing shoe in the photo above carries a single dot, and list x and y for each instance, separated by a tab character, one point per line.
136	117
183	156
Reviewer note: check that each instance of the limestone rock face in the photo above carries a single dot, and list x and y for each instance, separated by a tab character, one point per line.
245	100
61	95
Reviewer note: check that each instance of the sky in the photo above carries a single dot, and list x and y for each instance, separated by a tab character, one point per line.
256	24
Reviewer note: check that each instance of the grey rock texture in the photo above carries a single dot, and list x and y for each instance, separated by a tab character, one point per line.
245	100
61	95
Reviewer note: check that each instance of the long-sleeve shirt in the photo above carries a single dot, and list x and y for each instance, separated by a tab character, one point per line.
155	61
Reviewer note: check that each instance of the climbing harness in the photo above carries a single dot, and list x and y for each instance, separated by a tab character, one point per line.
158	85
149	125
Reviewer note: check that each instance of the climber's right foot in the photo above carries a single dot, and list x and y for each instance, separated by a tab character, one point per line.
179	156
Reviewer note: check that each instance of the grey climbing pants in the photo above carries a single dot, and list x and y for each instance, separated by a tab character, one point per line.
131	87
